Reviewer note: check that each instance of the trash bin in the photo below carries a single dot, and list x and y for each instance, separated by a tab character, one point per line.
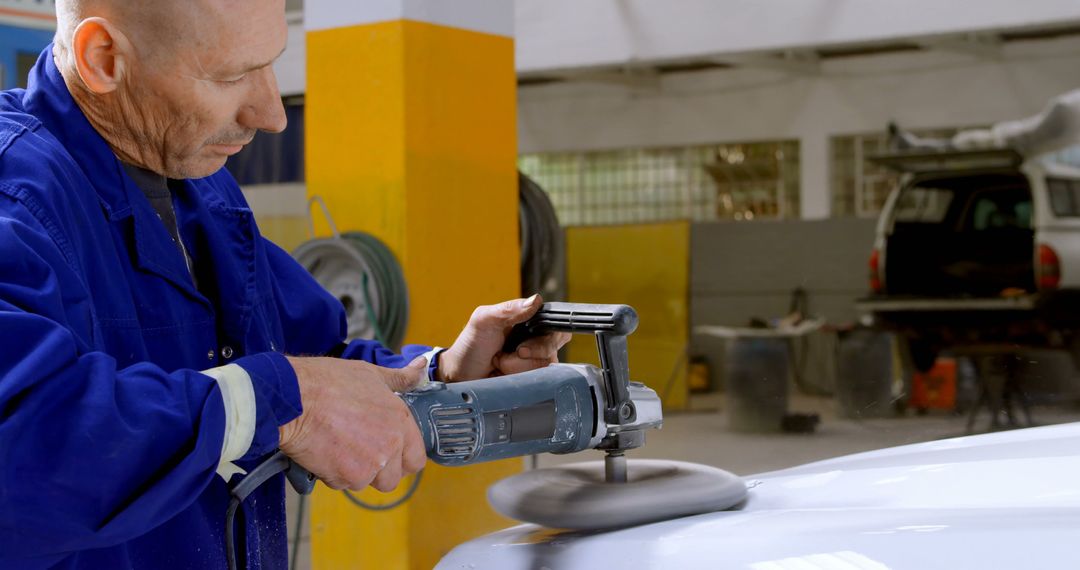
865	374
757	369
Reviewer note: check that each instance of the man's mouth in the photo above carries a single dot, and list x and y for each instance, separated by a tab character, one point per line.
229	148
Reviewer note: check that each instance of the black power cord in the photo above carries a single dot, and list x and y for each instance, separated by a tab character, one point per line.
253	480
391	505
296	533
543	257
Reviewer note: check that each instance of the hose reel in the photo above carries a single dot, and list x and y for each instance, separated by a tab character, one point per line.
361	272
543	255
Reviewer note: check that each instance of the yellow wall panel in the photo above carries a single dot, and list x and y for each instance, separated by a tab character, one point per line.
287	232
647	267
342	539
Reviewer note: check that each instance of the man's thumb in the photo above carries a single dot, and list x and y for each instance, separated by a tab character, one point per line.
520	310
411	376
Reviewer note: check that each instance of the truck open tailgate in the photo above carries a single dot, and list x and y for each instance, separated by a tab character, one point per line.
899	305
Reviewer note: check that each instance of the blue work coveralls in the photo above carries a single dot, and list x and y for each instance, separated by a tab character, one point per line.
109	434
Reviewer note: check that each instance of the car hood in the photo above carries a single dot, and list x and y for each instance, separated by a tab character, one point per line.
1001	500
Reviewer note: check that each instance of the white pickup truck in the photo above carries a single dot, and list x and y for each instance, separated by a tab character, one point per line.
978	248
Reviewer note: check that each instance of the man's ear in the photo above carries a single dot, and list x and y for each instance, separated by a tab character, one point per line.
102	54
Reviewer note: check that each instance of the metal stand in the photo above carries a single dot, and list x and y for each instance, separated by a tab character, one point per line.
1000	393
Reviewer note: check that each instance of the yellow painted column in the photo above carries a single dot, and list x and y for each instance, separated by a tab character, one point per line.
411	136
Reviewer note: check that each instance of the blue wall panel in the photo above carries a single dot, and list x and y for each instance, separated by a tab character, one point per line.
273	158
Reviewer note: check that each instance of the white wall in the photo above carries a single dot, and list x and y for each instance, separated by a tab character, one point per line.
568	34
38	14
291	67
562	35
848	96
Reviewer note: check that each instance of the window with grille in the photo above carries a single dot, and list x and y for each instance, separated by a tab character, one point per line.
742	182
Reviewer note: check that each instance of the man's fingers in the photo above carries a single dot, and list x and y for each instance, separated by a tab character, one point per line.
388	478
334	484
414	455
543	347
512	363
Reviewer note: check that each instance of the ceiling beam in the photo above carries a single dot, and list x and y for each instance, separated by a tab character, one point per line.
981	45
801	62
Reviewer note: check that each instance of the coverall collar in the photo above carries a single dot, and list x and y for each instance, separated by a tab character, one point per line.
48	98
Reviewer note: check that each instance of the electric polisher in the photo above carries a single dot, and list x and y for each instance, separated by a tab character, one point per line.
563	408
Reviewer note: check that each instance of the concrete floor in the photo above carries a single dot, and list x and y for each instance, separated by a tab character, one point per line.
701	435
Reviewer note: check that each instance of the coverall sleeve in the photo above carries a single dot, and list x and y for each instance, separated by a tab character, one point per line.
92	455
309	309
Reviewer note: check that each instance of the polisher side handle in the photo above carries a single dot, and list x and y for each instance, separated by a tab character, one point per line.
578	318
611	324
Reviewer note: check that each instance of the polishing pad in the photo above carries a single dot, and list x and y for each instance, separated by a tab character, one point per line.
577	496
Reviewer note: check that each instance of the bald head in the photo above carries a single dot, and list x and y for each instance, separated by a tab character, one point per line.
154	27
175	86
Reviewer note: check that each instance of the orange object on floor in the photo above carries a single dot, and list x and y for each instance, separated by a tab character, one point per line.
698	376
935	389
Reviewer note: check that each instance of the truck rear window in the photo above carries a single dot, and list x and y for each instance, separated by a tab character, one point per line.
921	204
967	203
997	208
1064	197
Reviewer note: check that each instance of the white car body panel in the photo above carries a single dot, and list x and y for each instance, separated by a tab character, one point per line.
1004	500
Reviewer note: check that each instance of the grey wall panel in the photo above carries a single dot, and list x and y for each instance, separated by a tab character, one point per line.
742	271
738	271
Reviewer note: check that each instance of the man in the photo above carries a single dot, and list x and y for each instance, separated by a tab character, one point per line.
146	323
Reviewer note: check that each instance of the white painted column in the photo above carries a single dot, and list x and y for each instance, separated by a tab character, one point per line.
814	164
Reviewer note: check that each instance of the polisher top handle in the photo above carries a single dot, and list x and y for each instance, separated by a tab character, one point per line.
611	324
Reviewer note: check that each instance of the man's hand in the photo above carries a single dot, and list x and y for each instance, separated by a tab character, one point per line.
477	352
354	430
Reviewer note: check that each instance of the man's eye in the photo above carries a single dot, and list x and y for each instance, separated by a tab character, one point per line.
233	81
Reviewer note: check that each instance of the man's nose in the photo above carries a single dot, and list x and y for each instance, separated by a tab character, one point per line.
266	112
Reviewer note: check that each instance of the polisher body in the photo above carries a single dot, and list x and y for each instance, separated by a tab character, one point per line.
558	409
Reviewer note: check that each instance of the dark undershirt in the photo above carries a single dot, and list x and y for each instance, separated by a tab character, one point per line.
158	190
